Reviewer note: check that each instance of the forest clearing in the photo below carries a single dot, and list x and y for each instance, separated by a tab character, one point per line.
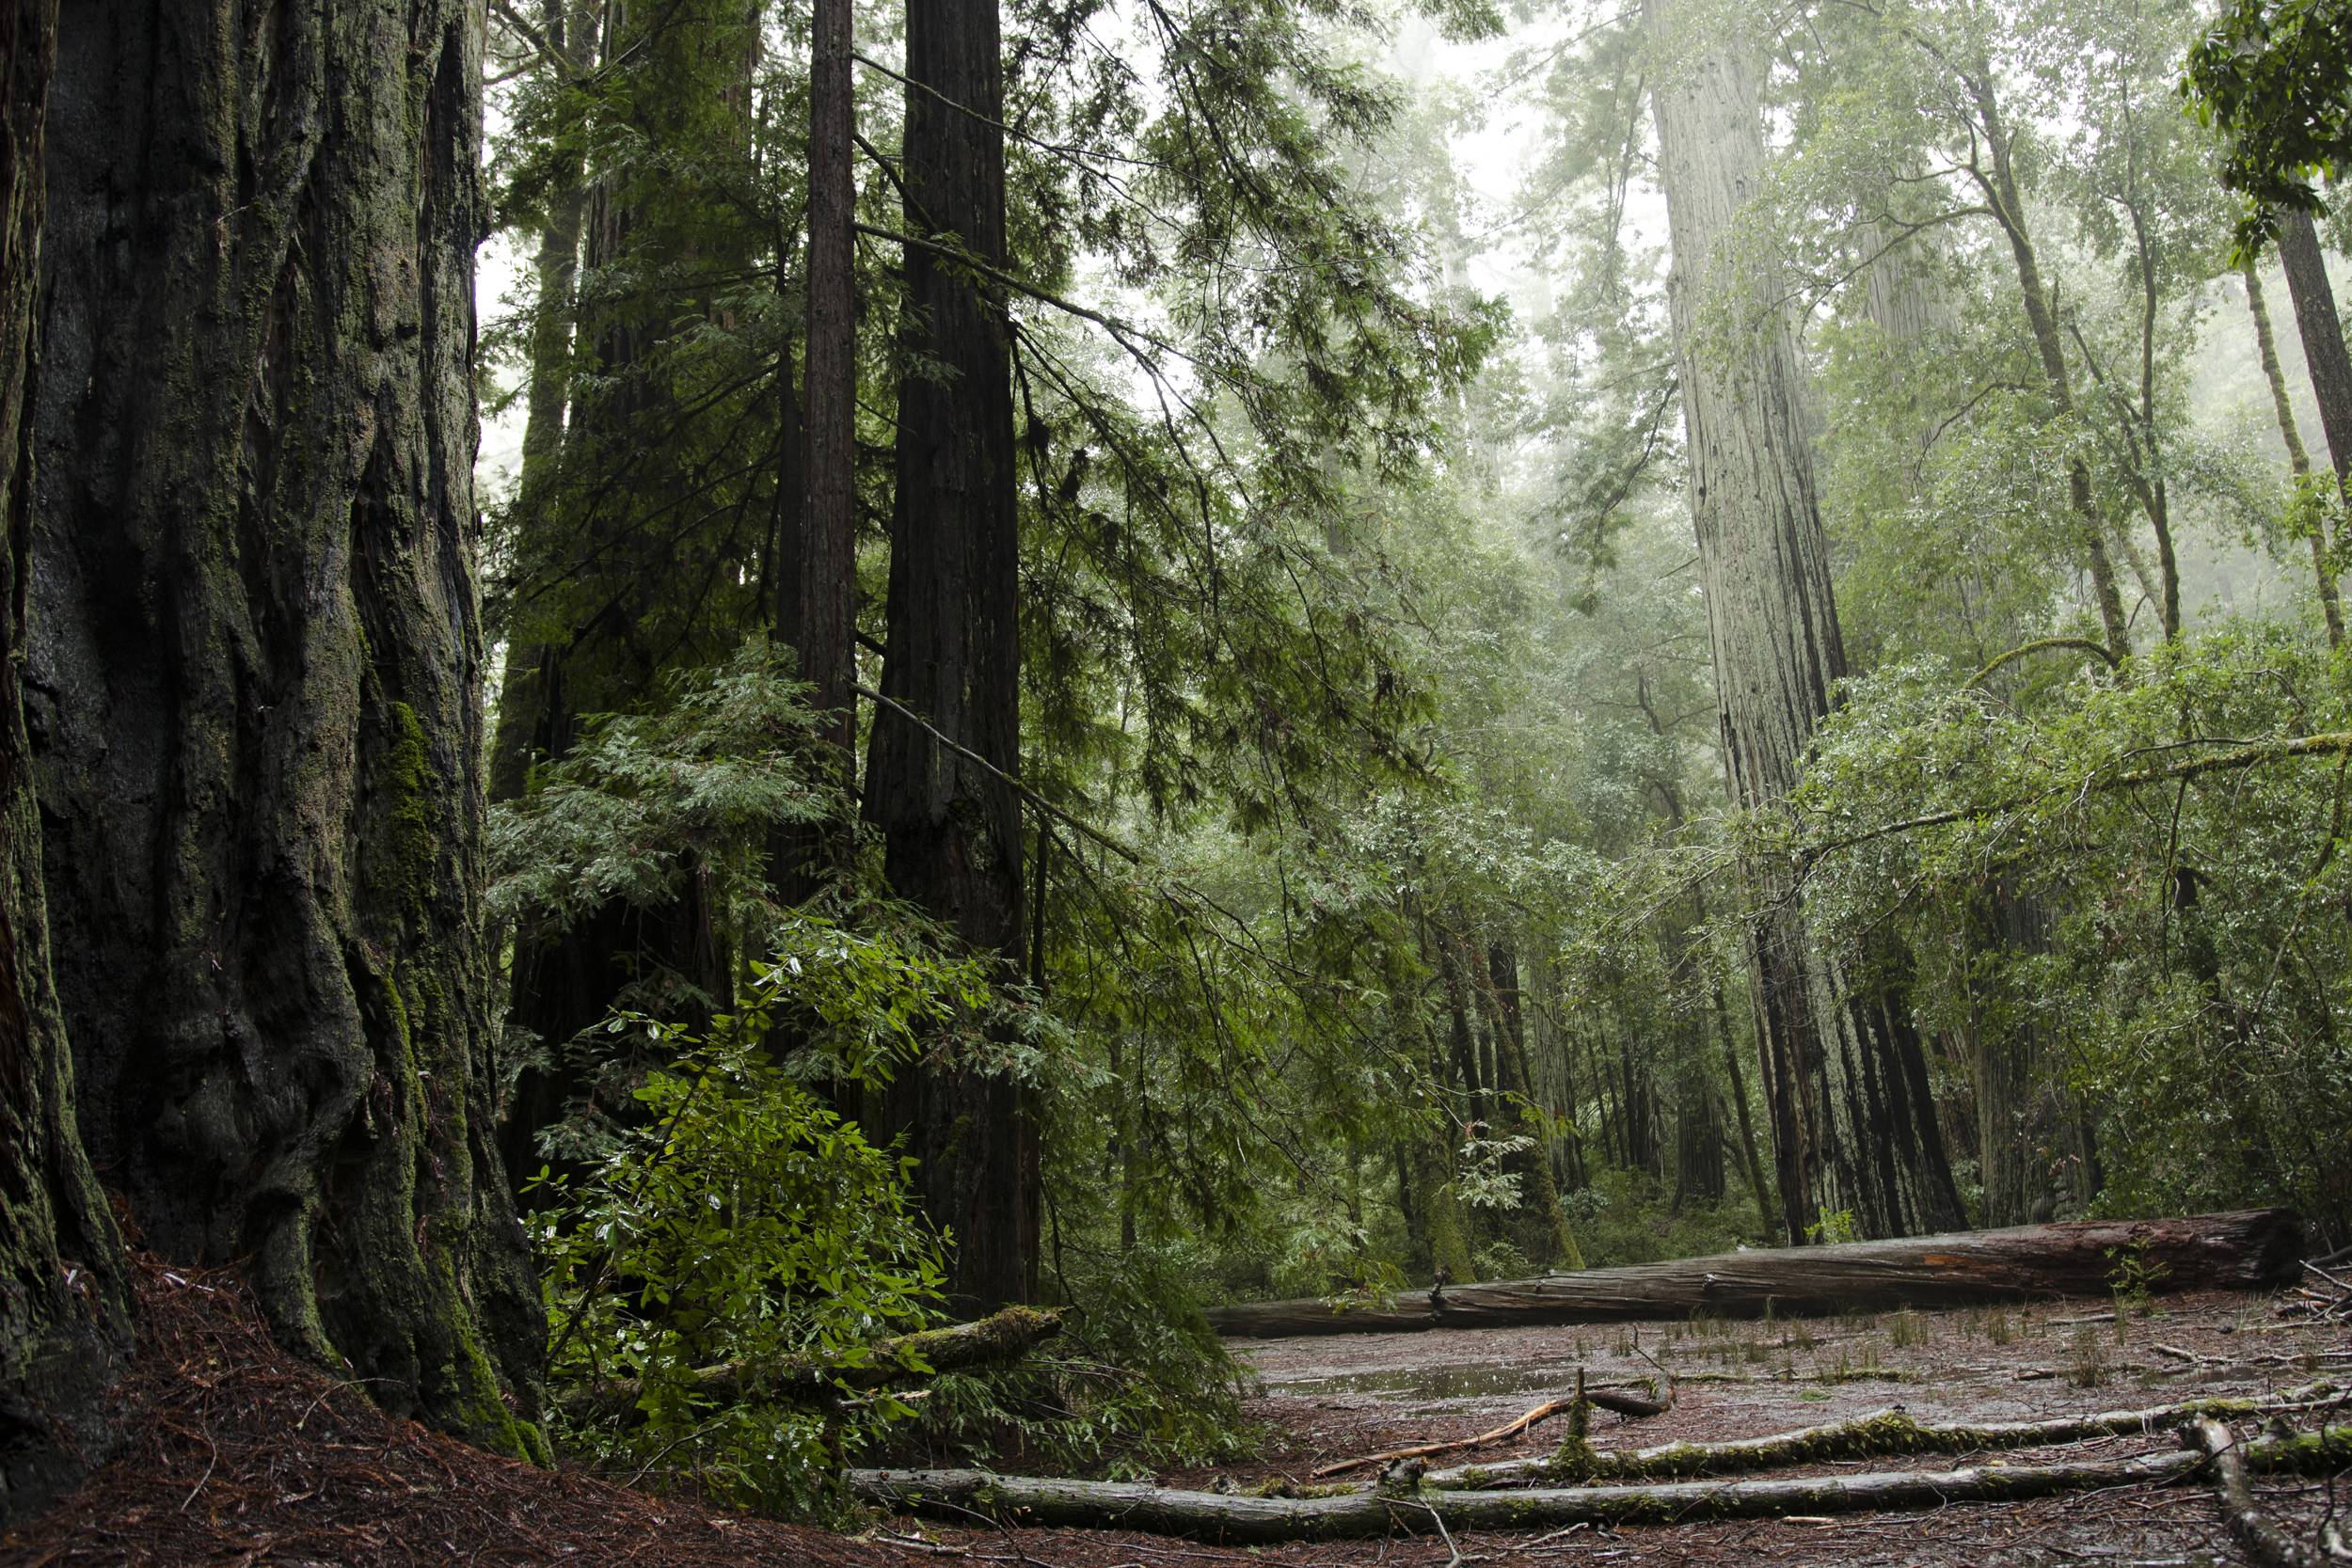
1087	784
250	1455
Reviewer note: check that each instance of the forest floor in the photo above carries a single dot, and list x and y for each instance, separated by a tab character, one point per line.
242	1455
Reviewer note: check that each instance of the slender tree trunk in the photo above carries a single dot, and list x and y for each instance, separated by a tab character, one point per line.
1853	1121
1751	1160
2299	459
64	1317
569	27
596	582
2316	322
259	730
828	579
951	828
1552	1241
1999	185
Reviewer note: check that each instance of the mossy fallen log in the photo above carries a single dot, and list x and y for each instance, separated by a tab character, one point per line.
1881	1435
2251	1249
1002	1335
1027	1500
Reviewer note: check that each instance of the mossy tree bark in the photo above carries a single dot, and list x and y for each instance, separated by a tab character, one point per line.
255	668
2298	457
2322	330
1852	1118
951	827
63	1317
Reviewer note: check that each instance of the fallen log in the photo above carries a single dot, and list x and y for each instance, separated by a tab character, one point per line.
2248	1250
2249	1525
1881	1435
1002	1335
959	1495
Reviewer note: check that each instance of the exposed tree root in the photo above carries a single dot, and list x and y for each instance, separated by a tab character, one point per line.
1000	1337
1883	1433
1357	1513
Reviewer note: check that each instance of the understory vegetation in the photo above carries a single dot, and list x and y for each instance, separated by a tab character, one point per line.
1370	888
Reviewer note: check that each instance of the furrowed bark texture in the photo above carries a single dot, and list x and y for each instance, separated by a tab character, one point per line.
2244	1251
1852	1116
951	828
828	567
64	1319
255	673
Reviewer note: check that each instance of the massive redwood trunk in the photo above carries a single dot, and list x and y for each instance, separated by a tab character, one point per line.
63	1318
1853	1121
951	827
2245	1251
255	672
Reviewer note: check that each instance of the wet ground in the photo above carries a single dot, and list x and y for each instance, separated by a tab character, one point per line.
1345	1395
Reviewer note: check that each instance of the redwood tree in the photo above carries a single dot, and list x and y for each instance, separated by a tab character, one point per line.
255	673
951	826
1853	1121
62	1316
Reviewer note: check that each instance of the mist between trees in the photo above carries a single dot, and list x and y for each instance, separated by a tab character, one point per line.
1135	656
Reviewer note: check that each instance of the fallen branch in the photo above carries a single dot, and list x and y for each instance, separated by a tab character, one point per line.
1004	1336
2248	1250
1357	1513
1601	1399
1881	1435
2263	1541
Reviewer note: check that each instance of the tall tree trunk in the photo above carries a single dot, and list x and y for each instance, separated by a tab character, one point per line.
569	27
2316	322
1854	1123
1999	186
257	662
2022	1127
64	1319
951	827
2299	459
603	616
828	582
1752	1160
1546	1234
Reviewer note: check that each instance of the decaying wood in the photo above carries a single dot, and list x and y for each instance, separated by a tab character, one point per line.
2246	1250
1601	1399
2251	1529
1357	1512
1001	1336
1881	1435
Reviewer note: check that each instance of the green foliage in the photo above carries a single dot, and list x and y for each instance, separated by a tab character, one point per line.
2270	77
742	1222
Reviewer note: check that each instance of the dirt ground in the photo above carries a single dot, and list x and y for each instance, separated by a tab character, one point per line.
241	1456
